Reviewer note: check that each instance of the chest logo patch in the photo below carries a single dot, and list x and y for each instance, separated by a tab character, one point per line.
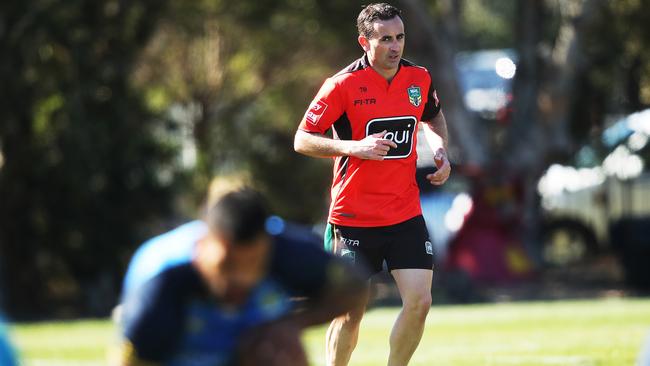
400	130
415	95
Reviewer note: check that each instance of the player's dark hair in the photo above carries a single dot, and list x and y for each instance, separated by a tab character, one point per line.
240	216
372	13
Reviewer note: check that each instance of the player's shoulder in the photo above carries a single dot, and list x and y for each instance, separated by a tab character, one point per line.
299	263
351	70
412	67
174	282
296	242
163	252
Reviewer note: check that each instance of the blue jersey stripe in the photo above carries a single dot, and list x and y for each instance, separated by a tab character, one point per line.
163	252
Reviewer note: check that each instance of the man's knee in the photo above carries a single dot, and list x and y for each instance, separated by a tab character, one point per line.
418	305
355	316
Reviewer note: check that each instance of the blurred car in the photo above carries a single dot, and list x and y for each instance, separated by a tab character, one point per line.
485	79
605	207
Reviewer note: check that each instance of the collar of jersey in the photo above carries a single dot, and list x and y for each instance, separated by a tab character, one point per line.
366	65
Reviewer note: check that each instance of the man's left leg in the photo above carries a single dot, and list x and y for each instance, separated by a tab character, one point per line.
415	289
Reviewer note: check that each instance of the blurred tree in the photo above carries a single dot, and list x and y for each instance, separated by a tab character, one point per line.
592	61
83	173
242	74
108	106
579	60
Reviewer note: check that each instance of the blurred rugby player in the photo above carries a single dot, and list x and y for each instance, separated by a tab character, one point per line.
219	291
7	357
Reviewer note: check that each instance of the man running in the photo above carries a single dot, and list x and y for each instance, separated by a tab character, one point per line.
373	107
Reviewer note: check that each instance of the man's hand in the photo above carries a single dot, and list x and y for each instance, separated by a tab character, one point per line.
444	168
273	344
373	147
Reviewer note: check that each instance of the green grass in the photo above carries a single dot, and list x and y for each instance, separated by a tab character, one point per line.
595	332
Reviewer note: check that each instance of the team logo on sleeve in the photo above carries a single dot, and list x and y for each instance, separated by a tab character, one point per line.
315	112
415	95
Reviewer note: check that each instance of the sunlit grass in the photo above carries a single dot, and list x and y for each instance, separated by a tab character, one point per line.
597	332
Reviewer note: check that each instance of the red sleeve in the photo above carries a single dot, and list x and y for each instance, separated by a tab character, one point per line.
325	109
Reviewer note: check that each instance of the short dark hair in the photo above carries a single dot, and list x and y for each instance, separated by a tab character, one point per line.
372	13
240	216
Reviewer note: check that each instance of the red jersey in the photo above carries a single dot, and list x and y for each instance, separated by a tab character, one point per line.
358	102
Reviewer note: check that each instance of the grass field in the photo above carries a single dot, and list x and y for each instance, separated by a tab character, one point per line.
595	332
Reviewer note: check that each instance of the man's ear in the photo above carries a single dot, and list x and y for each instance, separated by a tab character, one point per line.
363	42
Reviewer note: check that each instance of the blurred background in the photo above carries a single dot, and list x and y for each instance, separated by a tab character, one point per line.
115	115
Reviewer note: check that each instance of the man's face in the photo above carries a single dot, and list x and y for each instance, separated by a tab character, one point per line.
234	270
385	46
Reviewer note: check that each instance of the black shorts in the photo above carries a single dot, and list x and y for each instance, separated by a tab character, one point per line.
404	245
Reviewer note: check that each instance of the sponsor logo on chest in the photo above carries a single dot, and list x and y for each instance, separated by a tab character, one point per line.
400	130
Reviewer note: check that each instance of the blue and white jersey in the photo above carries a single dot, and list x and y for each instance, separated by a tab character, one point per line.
169	316
7	357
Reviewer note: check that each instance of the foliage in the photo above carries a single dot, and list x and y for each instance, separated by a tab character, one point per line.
487	24
117	114
246	74
83	173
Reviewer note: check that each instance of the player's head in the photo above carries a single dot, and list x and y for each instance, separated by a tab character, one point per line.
381	35
233	257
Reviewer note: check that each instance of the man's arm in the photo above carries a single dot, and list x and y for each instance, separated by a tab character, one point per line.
346	288
278	342
330	287
151	323
435	132
373	147
125	355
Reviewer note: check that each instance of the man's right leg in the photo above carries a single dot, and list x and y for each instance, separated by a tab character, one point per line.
342	336
354	244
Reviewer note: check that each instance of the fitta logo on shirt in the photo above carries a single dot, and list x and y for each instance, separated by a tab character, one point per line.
350	242
315	112
415	96
358	102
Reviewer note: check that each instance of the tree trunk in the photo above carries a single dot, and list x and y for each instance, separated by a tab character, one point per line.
543	98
